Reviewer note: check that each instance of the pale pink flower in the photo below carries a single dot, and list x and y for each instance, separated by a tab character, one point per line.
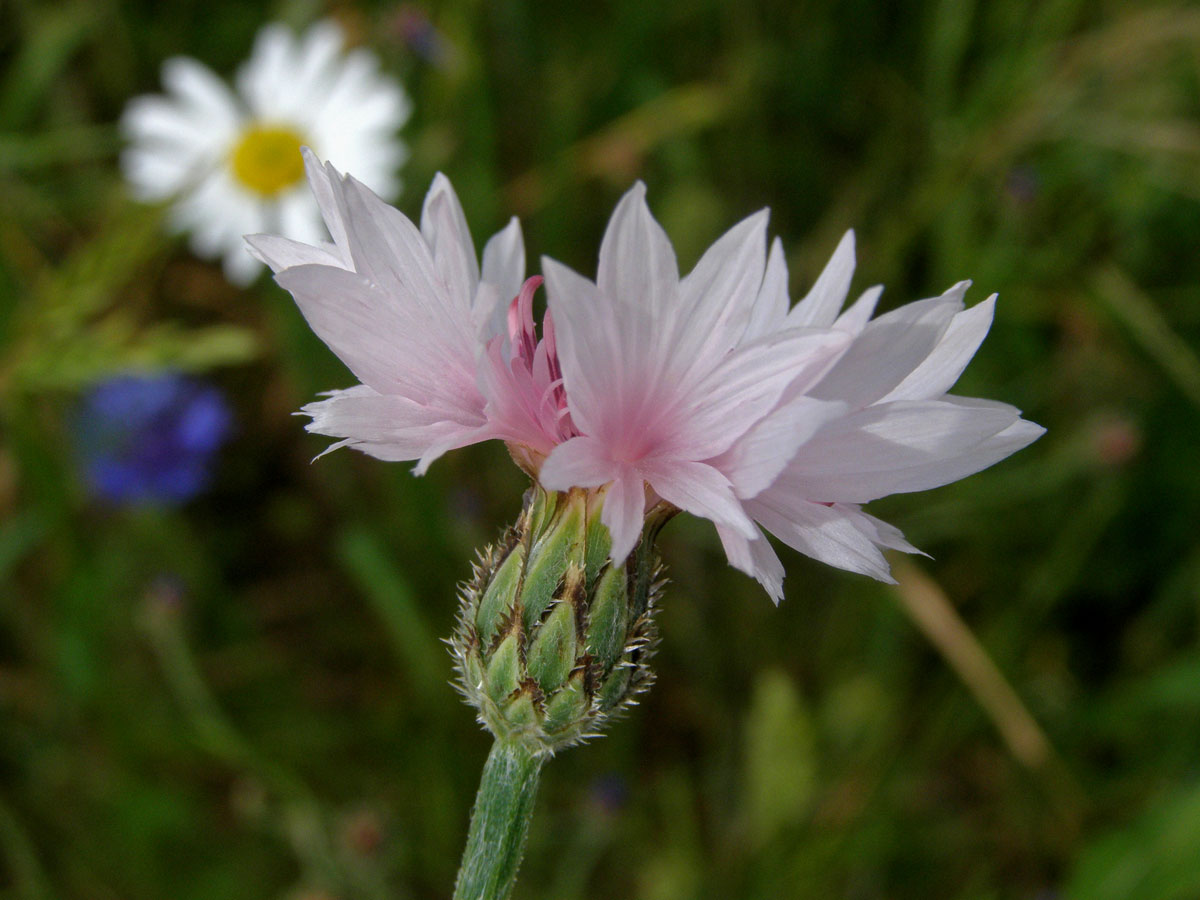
704	392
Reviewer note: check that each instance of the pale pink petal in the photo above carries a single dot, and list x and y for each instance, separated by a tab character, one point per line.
388	424
855	319
822	532
717	296
444	227
623	514
500	280
321	180
504	260
747	385
579	462
757	558
591	348
905	446
877	530
820	306
889	348
375	335
281	253
946	362
758	456
389	250
637	262
697	488
771	306
585	462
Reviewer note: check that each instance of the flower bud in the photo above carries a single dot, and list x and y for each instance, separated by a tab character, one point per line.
553	639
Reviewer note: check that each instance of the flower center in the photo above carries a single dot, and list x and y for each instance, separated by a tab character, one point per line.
267	159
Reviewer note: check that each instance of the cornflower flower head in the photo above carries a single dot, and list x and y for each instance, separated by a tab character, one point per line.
708	393
150	439
228	160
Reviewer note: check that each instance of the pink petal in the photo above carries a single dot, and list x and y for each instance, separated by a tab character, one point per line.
820	306
281	253
946	362
504	260
717	297
747	385
389	250
585	462
623	514
878	531
855	319
637	262
592	350
697	488
444	227
321	180
757	558
905	446
579	462
823	532
888	349
377	337
760	455
771	306
389	426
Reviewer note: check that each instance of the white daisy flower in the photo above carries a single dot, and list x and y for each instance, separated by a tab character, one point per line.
229	161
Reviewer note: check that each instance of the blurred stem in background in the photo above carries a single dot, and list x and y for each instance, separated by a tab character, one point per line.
29	881
299	813
926	604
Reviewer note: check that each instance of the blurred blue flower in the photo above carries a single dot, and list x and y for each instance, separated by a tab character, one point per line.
610	793
150	438
412	25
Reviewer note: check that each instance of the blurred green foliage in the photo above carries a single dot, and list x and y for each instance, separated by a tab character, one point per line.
245	697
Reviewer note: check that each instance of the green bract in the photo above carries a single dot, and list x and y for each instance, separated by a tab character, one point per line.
552	638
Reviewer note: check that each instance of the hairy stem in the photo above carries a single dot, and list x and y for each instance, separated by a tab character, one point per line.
499	823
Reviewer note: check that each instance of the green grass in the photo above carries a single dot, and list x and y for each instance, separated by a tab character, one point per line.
281	723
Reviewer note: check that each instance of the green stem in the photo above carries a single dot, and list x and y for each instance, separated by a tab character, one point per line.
499	823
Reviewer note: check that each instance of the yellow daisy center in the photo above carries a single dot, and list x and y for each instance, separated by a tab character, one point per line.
267	159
